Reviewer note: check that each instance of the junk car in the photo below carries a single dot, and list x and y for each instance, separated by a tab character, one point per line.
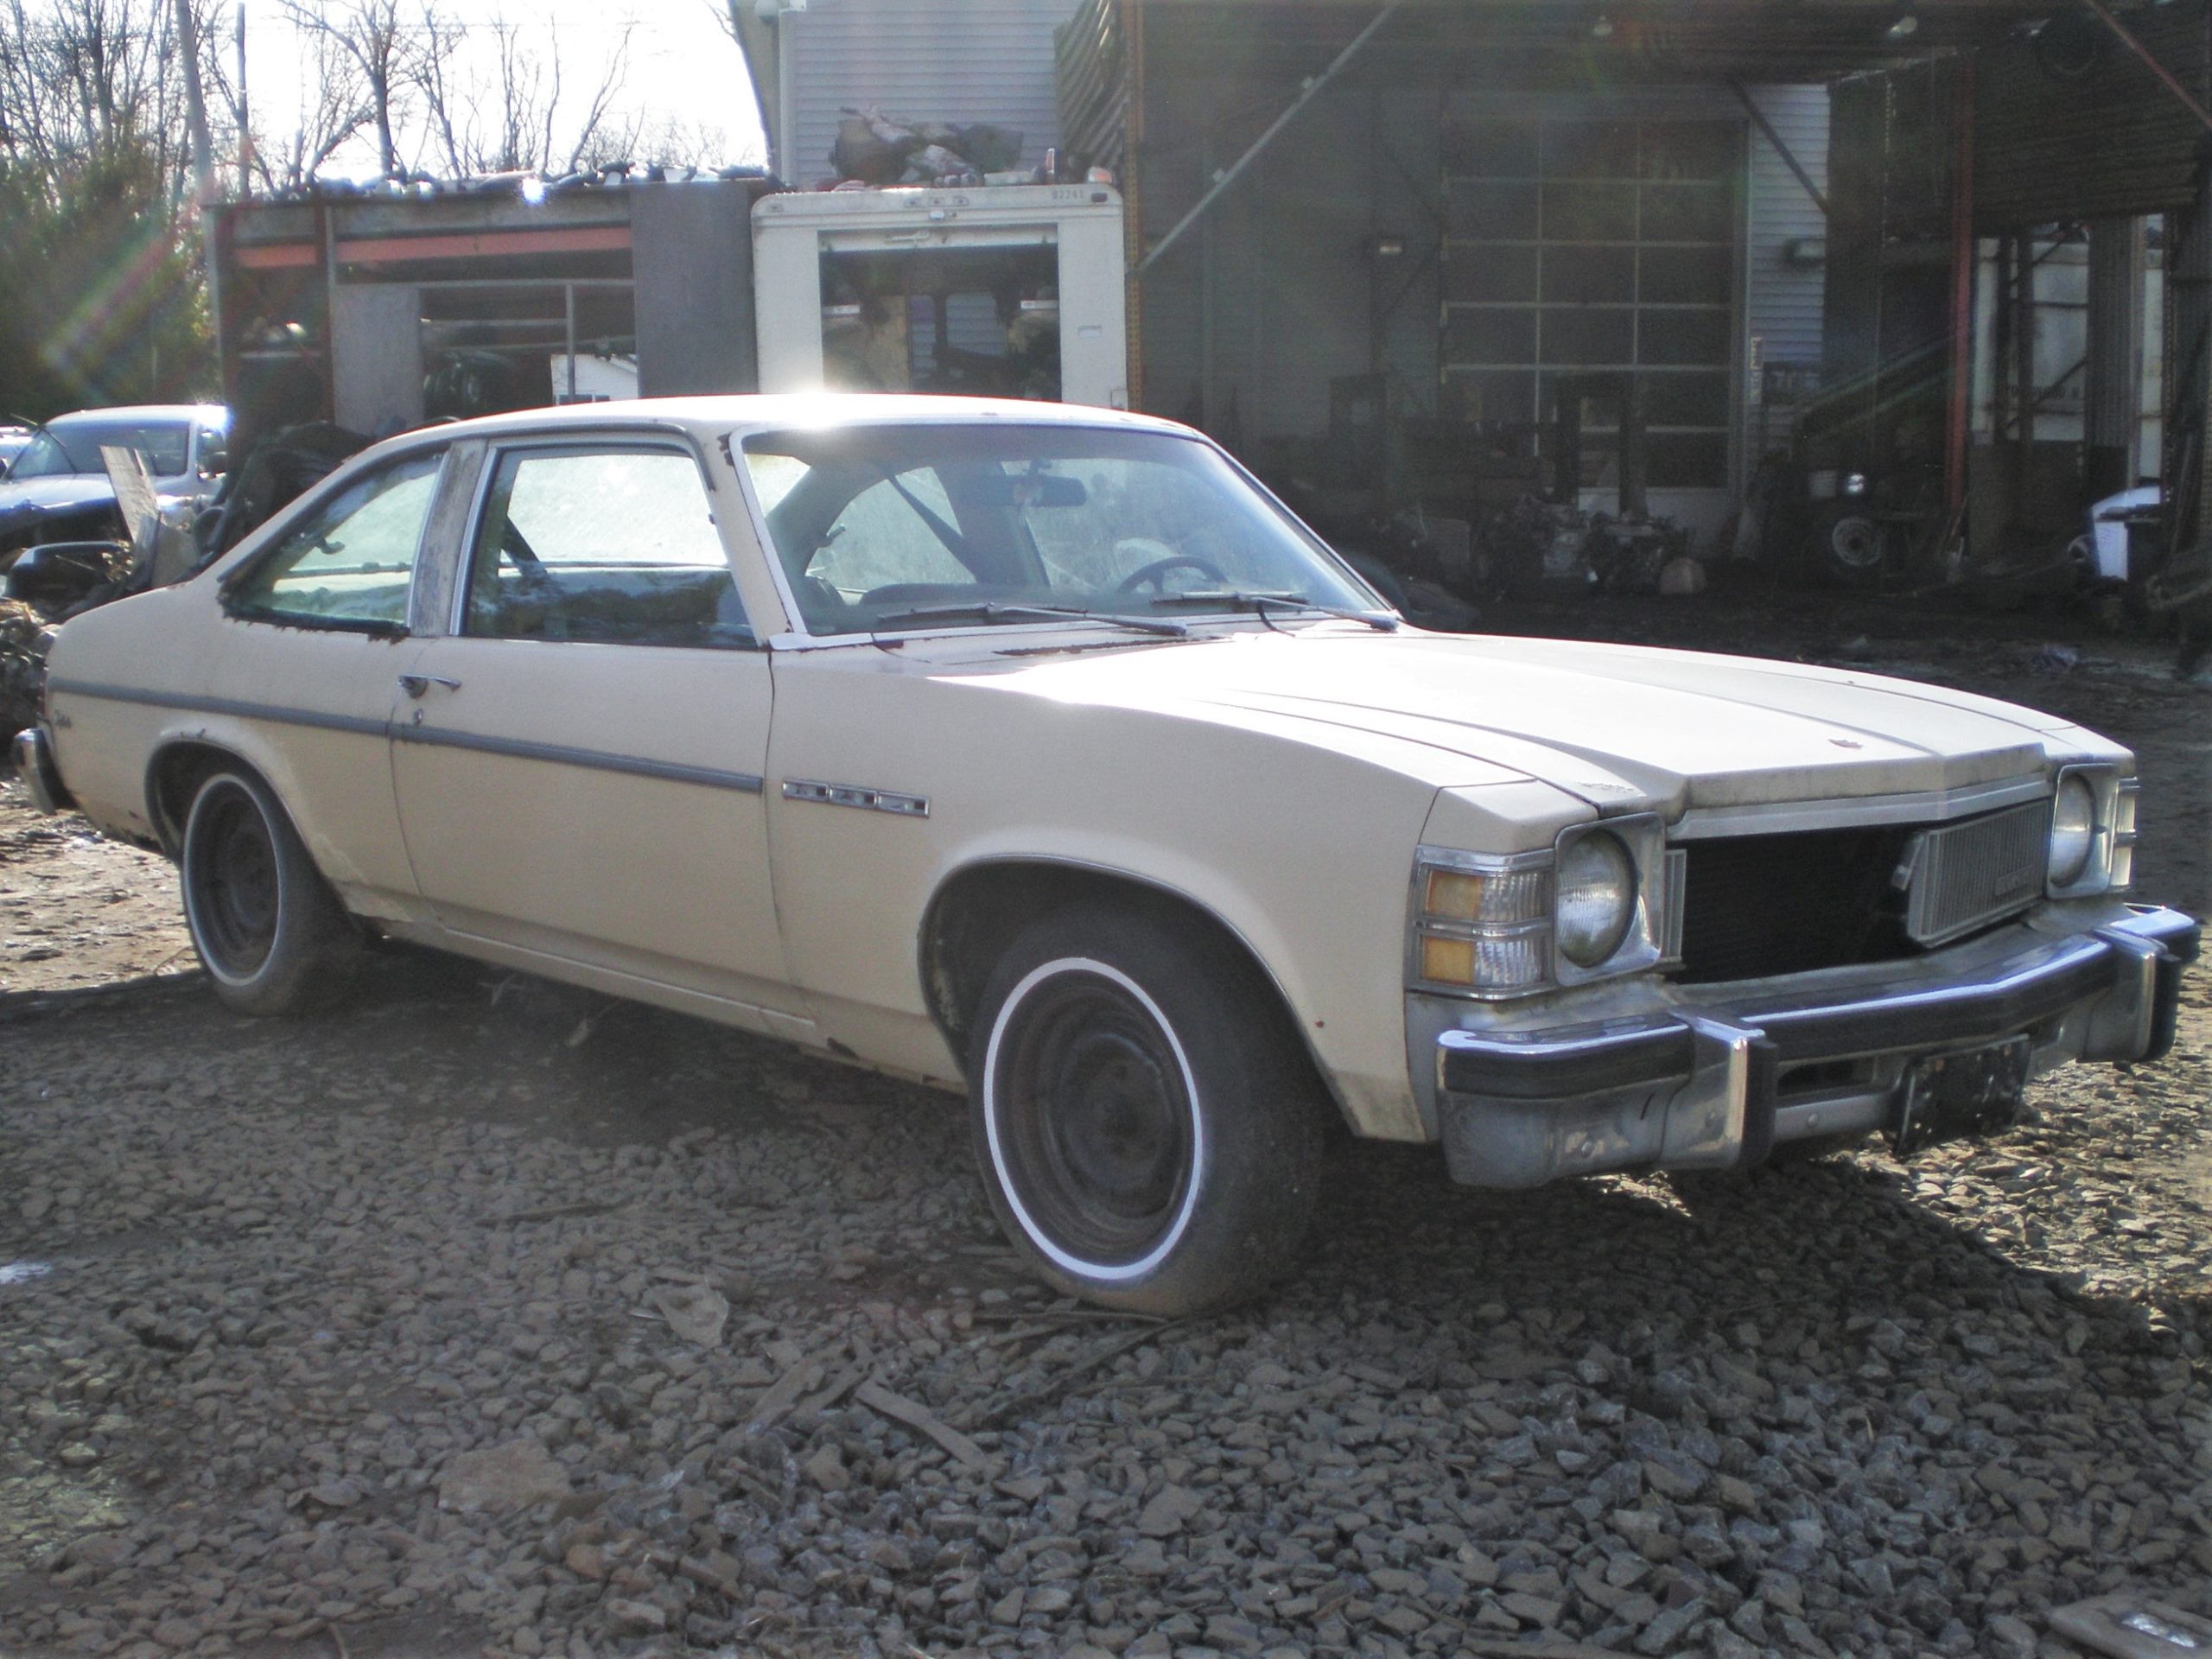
56	486
1039	753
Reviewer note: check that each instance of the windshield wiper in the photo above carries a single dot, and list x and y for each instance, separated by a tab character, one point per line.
1229	599
992	611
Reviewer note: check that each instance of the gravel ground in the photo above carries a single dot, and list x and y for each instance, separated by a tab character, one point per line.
492	1317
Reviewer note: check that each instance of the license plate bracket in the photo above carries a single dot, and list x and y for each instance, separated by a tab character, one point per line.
1952	1096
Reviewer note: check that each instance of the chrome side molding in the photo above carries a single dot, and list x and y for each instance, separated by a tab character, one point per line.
867	800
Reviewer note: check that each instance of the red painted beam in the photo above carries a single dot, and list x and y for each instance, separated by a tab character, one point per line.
278	256
397	250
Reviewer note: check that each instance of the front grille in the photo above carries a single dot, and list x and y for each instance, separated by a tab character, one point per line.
1760	905
1756	905
1967	874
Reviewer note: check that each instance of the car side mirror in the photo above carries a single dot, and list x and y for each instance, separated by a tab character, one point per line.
214	462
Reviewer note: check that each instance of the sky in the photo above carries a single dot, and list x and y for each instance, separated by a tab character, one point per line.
682	64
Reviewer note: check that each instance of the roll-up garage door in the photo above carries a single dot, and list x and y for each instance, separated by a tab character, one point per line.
1582	253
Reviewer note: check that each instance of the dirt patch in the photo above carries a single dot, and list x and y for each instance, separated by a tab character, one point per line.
262	1282
78	910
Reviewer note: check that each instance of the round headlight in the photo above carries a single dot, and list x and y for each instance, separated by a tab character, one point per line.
1597	898
2072	832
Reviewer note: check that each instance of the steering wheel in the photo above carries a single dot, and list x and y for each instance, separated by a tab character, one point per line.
1156	572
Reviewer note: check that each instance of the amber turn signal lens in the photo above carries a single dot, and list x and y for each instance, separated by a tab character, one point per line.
1447	962
1454	896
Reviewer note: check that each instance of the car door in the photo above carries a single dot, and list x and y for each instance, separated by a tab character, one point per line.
578	764
317	628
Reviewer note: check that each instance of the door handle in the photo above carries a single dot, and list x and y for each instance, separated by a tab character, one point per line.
415	684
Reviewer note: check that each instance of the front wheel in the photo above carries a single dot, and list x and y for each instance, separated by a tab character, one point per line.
1149	1131
271	935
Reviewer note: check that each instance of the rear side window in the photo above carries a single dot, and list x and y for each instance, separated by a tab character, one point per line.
351	562
606	543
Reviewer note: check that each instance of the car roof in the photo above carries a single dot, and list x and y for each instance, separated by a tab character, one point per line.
749	413
205	414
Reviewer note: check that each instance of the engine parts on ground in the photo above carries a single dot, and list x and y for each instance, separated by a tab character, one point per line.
1536	545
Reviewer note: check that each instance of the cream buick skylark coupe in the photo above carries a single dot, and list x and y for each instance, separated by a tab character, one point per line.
1039	751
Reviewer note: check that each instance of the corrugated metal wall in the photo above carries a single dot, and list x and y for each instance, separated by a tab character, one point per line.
1092	56
1782	296
2112	142
952	60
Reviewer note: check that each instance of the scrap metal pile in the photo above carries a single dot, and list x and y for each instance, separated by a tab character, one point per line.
876	150
1440	571
1536	545
25	635
530	184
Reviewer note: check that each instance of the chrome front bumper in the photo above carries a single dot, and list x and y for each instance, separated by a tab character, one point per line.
1718	1083
33	754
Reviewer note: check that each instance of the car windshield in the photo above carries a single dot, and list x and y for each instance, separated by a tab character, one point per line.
75	446
981	523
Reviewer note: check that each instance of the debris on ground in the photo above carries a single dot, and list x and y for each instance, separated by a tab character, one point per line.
2129	1626
1535	545
696	1312
499	1478
25	636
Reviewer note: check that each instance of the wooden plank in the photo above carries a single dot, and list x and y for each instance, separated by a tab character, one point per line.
920	1417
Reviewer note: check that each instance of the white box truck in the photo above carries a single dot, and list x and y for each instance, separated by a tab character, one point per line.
1013	290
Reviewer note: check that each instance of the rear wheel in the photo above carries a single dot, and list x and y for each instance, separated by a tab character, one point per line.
1149	1132
1849	548
271	935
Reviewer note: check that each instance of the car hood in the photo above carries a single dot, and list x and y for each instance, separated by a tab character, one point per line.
1622	727
65	492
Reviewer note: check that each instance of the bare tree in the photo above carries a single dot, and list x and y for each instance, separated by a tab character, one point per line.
511	119
95	178
336	107
79	77
386	46
83	80
594	129
195	105
671	139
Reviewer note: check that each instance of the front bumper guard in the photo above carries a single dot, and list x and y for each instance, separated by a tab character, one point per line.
33	754
1704	1087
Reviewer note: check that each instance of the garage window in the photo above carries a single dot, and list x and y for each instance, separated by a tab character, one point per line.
349	564
611	544
1586	257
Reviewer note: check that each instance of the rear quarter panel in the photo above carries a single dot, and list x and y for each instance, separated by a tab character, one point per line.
107	677
305	709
